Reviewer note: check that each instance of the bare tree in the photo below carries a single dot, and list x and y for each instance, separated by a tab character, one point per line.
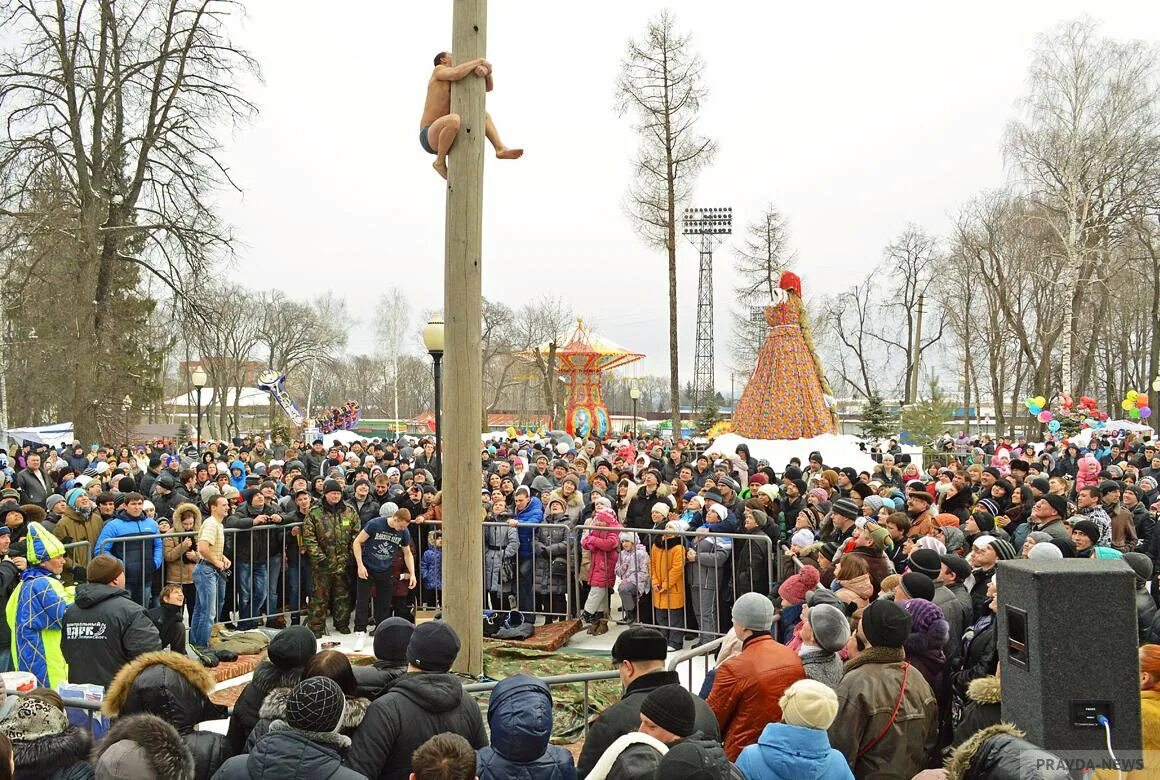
540	327
1086	147
759	263
910	262
661	85
848	318
123	100
392	322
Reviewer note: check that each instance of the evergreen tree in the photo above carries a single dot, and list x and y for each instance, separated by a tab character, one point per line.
710	414
184	433
878	422
924	420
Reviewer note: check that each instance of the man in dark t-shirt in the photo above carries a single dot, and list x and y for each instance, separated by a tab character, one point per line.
375	549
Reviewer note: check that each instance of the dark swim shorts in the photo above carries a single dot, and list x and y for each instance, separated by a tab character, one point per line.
423	140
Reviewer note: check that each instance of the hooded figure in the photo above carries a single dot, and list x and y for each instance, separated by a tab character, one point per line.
238	475
176	689
391	638
143	747
519	715
285	658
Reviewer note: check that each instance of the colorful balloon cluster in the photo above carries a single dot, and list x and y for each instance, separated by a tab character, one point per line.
1136	405
1068	416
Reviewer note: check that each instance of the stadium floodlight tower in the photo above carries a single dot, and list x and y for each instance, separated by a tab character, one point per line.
706	229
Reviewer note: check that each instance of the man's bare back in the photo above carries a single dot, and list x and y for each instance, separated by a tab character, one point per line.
438	127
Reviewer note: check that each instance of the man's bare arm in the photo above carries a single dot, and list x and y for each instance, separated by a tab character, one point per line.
457	72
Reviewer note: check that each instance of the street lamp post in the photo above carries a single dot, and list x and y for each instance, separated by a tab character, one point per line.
126	405
634	394
198	378
433	341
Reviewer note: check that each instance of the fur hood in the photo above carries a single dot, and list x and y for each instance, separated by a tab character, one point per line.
122	685
167	753
274	708
960	760
186	507
984	690
41	757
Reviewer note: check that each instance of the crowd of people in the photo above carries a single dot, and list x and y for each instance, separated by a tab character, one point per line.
857	607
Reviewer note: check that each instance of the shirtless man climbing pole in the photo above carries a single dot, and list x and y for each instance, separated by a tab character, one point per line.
438	127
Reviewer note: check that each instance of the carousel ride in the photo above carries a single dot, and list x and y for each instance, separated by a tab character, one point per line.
581	360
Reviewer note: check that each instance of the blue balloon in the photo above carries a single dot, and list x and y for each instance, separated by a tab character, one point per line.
1053	426
1035	408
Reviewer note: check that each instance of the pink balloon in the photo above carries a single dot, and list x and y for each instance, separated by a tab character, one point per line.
1045	416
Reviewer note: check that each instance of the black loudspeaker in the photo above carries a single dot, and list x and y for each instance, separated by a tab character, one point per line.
1068	653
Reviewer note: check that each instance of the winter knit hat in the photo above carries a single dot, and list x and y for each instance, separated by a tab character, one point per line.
946	518
71	497
819	494
671	707
830	626
32	719
795	587
754	611
879	535
42	545
802	538
917	586
103	569
52	501
692	759
1088	529
810	704
926	562
433	647
663	507
1141	564
927	618
316	706
930	543
391	639
292	647
388	509
1003	548
846	508
331	486
1045	551
885	623
874	502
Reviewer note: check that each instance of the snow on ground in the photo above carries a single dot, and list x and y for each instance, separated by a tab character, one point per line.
842	450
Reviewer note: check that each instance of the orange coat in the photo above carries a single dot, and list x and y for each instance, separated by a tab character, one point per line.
747	691
667	569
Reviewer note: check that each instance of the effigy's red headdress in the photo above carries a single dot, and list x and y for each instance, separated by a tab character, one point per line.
790	281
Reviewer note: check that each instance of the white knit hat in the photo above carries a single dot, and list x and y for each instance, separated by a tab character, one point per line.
809	703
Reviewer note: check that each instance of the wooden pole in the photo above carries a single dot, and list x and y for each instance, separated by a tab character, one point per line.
917	352
463	370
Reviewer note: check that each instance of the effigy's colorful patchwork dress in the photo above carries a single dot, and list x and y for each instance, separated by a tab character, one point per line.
784	398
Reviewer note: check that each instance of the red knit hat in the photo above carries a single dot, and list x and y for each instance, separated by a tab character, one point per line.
795	588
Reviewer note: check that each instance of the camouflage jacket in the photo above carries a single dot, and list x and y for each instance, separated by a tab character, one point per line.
327	536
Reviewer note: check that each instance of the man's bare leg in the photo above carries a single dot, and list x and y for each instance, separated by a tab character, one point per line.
441	135
501	151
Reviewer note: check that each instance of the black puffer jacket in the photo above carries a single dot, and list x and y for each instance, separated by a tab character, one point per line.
418	706
286	753
63	756
266	678
103	630
374	681
176	689
999	752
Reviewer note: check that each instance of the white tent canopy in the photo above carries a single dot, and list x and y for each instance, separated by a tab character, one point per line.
250	396
42	434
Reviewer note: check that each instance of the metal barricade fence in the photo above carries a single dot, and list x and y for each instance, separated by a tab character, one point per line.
711	577
537	583
263	567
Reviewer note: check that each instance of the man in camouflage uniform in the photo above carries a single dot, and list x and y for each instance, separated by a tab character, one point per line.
328	532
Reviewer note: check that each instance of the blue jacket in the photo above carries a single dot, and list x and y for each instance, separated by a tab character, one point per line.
519	716
533	513
131	554
238	480
35	614
431	568
793	751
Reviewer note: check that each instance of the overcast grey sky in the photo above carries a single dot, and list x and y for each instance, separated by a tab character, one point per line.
853	118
